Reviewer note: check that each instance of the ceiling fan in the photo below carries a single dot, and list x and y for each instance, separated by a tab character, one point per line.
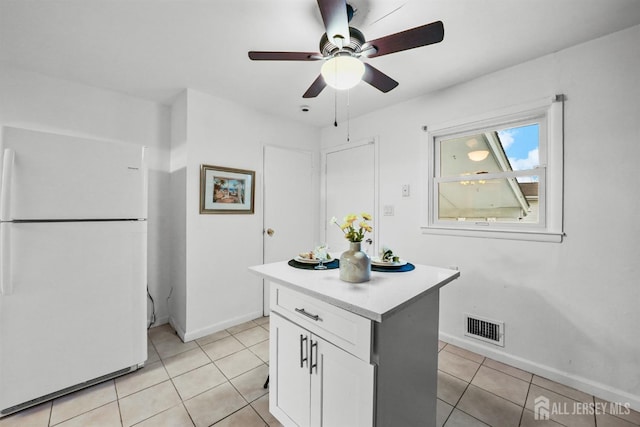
342	47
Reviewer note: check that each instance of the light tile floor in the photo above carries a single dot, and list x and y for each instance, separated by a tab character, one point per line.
217	381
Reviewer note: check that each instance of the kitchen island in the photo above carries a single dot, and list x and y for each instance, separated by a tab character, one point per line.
354	354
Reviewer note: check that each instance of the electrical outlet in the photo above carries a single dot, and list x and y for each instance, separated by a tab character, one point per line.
405	190
387	210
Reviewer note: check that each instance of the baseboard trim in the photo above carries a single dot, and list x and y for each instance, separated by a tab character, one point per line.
159	321
203	332
586	385
176	328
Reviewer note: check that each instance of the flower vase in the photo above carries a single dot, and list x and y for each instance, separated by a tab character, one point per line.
355	265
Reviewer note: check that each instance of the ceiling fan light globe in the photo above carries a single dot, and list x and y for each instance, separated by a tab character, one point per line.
478	155
342	72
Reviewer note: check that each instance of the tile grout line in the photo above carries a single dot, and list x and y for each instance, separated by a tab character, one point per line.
480	364
164	366
227	379
454	406
182	400
179	395
162	335
530	382
506	373
461	394
231	383
118	402
465	390
525	401
235	388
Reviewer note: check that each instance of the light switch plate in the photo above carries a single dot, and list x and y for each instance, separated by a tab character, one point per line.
387	210
405	190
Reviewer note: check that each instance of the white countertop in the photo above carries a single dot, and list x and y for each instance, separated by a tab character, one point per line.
375	299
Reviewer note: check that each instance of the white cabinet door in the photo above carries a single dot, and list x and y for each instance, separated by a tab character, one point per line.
342	387
314	383
290	390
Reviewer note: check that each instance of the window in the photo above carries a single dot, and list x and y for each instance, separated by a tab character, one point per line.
498	176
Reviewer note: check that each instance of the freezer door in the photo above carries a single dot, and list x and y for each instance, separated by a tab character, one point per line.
76	305
48	176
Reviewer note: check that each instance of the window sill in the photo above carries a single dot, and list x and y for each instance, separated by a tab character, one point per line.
533	236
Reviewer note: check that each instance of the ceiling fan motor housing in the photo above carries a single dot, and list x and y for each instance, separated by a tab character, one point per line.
328	49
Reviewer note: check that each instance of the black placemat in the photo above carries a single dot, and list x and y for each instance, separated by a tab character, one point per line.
394	269
307	266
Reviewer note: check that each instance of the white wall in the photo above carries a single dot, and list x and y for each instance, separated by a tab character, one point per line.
199	261
571	310
219	290
38	102
177	299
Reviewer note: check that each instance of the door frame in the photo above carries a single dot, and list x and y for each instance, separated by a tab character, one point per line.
324	215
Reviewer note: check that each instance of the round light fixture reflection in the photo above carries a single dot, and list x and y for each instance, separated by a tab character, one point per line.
478	156
342	72
471	143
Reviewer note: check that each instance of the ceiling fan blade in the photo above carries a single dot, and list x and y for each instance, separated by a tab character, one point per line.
378	79
409	39
336	21
284	56
315	88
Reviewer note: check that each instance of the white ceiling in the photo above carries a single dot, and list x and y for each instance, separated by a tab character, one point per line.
152	49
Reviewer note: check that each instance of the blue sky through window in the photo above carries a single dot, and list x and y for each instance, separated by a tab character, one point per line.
521	146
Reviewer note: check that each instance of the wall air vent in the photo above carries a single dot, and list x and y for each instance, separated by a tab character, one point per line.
484	329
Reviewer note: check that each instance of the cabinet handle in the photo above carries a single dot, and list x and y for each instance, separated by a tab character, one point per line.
313	365
303	339
309	315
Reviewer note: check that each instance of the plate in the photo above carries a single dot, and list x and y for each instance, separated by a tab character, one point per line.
311	261
379	263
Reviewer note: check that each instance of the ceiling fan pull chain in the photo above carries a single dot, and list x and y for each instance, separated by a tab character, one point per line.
335	108
348	114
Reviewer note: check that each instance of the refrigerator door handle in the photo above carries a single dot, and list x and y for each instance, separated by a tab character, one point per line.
6	287
5	186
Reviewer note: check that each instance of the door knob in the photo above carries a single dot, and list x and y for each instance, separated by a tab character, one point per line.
270	231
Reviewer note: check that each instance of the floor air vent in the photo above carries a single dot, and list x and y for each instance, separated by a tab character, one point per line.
484	329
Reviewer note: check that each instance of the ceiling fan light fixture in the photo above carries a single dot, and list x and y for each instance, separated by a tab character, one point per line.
342	71
342	47
478	155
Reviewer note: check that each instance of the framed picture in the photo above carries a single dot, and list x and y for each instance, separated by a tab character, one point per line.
226	190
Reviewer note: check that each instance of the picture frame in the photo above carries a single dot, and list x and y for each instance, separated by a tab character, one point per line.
226	190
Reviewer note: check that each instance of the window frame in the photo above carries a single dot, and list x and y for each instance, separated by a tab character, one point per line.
549	113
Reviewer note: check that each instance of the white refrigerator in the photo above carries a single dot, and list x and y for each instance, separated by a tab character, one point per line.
73	267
